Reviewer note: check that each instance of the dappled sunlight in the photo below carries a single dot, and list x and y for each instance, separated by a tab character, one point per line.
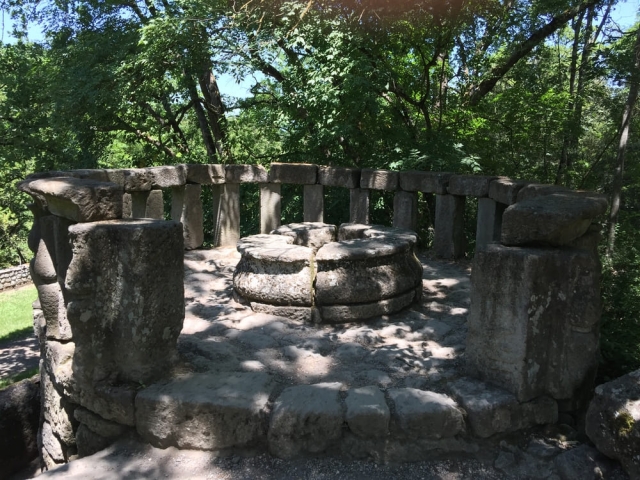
419	347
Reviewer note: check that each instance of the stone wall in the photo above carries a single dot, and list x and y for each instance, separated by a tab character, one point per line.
109	277
13	277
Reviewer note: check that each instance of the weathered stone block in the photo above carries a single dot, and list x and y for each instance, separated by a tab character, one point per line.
270	207
19	415
405	210
535	190
211	174
362	311
367	412
51	444
98	425
449	241
505	190
125	308
306	418
367	270
205	411
425	414
186	208
533	320
246	174
155	205
77	200
226	214
313	203
145	179
613	421
57	410
491	410
555	219
293	173
127	205
277	274
309	234
470	185
339	177
112	402
139	204
58	361
97	174
54	310
379	180
428	182
89	442
359	206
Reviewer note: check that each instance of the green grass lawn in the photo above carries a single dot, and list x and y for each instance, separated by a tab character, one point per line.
16	317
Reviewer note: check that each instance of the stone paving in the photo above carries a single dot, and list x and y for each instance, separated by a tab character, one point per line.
390	388
420	347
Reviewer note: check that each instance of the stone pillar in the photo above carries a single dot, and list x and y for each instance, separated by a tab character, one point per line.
405	210
313	203
270	206
359	206
186	207
127	206
533	320
226	214
125	296
139	204
155	205
449	241
489	225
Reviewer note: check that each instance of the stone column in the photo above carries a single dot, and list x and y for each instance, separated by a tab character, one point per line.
155	205
139	204
405	210
489	224
359	206
127	206
270	206
226	214
313	203
186	208
449	241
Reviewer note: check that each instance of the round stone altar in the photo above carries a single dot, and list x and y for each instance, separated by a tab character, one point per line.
315	272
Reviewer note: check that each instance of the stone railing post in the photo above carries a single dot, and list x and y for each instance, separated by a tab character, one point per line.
270	206
359	205
186	208
405	210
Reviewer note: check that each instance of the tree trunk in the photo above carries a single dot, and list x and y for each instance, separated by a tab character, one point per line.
202	119
215	111
616	193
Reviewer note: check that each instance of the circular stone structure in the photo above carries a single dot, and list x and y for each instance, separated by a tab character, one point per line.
314	272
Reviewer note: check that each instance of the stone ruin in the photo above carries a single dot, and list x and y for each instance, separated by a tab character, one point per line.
306	271
110	278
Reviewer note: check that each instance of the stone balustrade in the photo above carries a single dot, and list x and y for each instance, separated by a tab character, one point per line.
109	276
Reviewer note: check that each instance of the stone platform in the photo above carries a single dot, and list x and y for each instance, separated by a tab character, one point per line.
392	389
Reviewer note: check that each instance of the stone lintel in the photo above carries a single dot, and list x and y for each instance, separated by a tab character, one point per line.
206	174
293	173
245	174
339	177
428	182
470	185
379	179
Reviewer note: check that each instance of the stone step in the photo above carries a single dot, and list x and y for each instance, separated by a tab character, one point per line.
214	411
